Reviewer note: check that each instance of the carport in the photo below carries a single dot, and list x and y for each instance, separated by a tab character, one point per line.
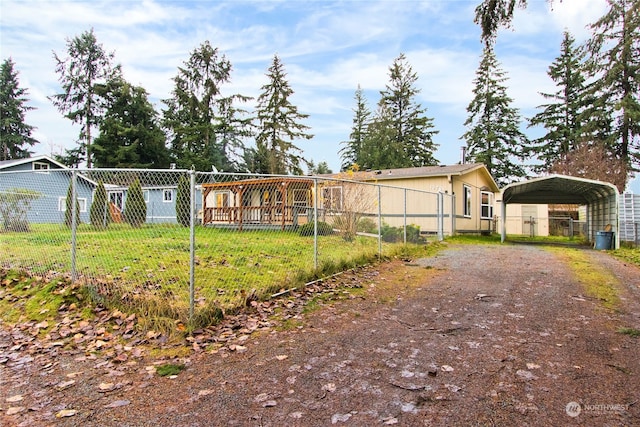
601	199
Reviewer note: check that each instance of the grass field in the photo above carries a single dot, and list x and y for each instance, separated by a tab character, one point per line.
148	268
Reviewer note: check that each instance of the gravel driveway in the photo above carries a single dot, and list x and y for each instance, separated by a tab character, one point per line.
478	335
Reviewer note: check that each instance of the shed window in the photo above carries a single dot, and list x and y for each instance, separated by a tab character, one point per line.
332	198
486	205
167	195
145	194
466	200
62	204
40	167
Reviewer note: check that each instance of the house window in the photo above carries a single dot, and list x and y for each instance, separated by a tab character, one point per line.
332	198
167	195
145	194
40	167
300	197
62	204
486	205
221	199
466	200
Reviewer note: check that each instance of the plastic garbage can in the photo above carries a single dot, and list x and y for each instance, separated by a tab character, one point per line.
604	240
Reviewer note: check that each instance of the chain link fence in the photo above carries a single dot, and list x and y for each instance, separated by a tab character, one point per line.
179	244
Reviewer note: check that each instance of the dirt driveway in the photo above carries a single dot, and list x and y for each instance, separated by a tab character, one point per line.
478	335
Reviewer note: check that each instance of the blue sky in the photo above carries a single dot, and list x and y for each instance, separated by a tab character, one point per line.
328	48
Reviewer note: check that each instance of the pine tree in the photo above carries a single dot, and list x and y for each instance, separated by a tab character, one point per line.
380	147
15	133
562	116
279	125
202	123
614	61
135	209
130	136
493	14
351	152
86	66
493	136
413	131
183	201
99	214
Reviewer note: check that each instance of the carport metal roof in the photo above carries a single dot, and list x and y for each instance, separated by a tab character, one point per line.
601	198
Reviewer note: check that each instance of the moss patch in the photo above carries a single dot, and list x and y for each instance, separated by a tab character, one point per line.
598	282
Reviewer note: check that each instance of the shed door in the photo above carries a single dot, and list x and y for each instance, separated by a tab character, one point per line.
530	220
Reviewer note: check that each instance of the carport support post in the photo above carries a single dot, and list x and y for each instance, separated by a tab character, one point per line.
405	216
379	221
192	241
503	214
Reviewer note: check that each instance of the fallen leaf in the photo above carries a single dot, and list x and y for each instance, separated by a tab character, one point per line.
336	418
16	398
64	385
205	392
66	413
282	357
446	368
532	366
104	387
117	404
269	403
15	410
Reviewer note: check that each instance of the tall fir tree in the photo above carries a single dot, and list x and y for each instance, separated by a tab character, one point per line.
201	122
562	116
86	66
130	136
351	152
493	136
135	209
279	126
413	130
15	133
380	147
99	214
614	62
183	201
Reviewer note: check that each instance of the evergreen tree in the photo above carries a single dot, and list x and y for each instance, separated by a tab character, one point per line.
413	131
614	62
68	212
99	214
380	147
86	66
183	201
562	116
135	209
493	14
321	169
351	151
493	136
203	124
279	125
15	133
129	134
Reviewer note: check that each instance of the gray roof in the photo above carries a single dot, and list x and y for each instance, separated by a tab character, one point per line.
558	189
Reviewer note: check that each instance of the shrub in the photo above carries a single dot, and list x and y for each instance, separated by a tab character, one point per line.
367	225
99	212
391	234
14	205
135	210
183	201
307	229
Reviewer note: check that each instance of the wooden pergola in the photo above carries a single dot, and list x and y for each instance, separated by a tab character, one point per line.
257	202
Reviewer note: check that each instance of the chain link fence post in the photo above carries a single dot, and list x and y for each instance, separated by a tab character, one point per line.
315	223
192	241
379	221
74	225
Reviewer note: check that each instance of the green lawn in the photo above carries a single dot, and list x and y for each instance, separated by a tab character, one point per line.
149	267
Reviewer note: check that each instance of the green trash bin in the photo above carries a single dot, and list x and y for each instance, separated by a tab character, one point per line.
604	239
